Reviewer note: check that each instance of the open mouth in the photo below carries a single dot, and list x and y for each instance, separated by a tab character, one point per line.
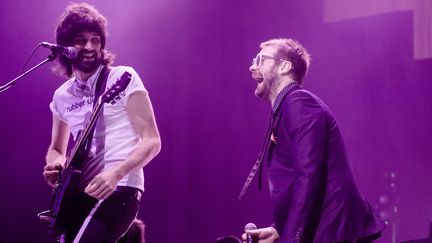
257	77
88	56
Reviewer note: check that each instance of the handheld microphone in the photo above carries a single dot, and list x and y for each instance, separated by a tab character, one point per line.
69	52
250	226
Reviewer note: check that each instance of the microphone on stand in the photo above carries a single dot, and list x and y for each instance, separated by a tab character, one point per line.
69	52
250	226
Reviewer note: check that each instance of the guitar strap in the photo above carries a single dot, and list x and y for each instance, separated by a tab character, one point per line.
100	89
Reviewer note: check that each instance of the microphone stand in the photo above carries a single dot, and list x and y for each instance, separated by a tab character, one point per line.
50	58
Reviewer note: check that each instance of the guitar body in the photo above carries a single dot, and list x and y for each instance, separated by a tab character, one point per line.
62	199
67	186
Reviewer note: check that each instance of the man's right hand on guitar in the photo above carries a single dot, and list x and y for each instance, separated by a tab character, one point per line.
52	171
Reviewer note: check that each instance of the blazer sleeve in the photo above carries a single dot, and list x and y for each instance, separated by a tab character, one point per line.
304	123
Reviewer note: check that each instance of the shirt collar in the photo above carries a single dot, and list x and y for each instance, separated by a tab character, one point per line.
87	88
284	92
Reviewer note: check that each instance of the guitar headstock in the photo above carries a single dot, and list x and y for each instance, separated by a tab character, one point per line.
118	87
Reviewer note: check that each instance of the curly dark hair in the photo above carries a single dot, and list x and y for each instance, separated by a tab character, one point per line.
79	17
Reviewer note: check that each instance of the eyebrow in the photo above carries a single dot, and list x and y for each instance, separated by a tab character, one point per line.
92	34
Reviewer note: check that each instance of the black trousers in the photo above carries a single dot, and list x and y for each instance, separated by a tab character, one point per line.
107	222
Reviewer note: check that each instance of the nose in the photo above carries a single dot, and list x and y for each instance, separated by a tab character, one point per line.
253	67
88	45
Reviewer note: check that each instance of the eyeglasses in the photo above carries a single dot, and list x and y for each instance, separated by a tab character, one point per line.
258	60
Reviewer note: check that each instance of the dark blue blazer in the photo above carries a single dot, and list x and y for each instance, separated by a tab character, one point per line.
312	187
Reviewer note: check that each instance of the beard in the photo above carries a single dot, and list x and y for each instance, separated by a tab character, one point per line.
88	65
263	90
265	86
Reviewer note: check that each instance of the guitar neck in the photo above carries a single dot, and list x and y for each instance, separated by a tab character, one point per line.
85	133
106	97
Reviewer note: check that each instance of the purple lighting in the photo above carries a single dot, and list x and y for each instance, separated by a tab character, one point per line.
193	57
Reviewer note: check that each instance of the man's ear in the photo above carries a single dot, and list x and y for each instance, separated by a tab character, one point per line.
286	67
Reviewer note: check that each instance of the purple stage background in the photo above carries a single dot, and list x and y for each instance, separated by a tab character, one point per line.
193	57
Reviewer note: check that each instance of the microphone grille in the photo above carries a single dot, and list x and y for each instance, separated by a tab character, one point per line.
71	52
250	226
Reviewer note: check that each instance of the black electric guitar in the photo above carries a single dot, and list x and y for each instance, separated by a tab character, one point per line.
70	174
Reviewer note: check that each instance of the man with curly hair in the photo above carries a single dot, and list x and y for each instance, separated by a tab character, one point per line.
125	137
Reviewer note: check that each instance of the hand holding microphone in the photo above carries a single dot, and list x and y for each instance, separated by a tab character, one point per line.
262	235
249	237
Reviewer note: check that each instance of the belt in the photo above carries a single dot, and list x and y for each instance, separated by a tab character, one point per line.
137	193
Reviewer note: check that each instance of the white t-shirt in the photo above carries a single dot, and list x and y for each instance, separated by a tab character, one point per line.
114	137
